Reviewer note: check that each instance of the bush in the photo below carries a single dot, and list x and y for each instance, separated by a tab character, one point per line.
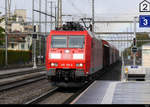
15	57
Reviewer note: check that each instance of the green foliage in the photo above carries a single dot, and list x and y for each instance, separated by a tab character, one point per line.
13	18
142	37
1	33
15	57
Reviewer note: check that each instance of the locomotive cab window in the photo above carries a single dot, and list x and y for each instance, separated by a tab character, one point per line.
59	42
76	41
67	41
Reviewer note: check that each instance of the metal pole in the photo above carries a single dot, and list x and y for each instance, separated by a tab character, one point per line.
93	15
59	18
127	43
33	40
123	78
6	36
40	32
45	27
51	14
134	54
9	8
55	16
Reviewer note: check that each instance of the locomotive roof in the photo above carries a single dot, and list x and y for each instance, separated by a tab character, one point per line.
84	32
60	32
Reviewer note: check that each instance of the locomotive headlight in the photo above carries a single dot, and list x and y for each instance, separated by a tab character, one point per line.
78	56
79	65
52	64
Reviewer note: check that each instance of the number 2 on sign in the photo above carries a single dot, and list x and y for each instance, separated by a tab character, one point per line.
145	7
145	22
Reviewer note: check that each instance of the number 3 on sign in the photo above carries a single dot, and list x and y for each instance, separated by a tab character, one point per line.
145	22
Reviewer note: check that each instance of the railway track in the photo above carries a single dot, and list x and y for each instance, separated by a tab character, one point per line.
7	85
55	93
43	96
77	93
26	71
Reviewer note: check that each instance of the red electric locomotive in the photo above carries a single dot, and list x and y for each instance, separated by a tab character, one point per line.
74	55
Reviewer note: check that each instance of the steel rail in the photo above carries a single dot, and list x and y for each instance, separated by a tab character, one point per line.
8	75
16	84
43	96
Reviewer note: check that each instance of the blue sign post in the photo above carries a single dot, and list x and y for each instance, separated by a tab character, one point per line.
144	21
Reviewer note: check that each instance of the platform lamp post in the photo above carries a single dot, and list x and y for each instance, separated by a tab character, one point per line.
34	37
45	28
93	15
6	36
122	71
134	42
34	46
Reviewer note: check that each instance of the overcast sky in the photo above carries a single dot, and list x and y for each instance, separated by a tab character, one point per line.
104	10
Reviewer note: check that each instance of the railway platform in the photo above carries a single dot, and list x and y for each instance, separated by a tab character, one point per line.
115	92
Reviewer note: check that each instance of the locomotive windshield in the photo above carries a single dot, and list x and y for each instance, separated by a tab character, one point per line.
59	41
68	41
76	41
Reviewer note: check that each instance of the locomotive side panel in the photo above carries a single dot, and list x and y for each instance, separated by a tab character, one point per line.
111	55
88	53
99	55
96	55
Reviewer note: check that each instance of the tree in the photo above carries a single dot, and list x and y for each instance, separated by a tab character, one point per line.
142	37
2	34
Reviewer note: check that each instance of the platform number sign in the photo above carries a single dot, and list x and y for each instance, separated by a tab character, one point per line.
144	21
144	6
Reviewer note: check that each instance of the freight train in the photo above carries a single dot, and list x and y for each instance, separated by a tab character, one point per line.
74	55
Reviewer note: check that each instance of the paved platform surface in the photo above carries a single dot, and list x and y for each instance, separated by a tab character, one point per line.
3	72
115	92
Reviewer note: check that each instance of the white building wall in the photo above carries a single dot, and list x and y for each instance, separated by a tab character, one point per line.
21	12
17	27
146	56
2	24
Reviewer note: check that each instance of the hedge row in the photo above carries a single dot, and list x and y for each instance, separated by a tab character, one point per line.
15	57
